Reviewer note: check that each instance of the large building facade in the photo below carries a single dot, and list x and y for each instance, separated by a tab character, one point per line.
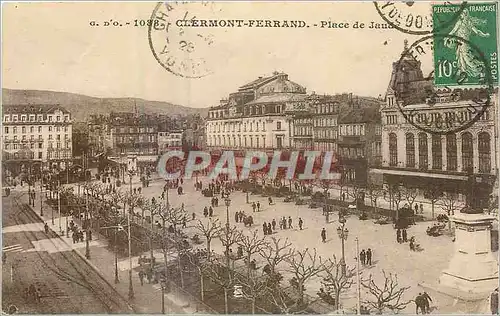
36	134
255	116
414	156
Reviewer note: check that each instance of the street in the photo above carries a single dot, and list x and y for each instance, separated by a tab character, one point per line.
66	283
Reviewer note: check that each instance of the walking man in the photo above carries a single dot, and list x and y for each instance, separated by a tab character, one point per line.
398	235
264	228
254	206
362	256
141	277
300	223
419	304
369	257
258	206
323	235
210	212
184	222
426	300
421	209
290	222
405	235
274	224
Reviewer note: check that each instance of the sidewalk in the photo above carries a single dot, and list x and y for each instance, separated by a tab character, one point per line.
147	298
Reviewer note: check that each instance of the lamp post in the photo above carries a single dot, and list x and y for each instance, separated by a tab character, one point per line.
227	200
130	287
163	284
342	231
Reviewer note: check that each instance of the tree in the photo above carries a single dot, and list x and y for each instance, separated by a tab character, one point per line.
251	245
355	192
374	192
387	297
409	194
254	286
335	281
449	203
303	265
276	252
433	194
228	237
210	230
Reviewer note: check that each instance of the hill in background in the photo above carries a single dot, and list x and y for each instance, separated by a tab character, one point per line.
82	106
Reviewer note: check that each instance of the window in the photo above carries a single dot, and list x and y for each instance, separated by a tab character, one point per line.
23	118
14	130
6	118
23	130
40	117
451	152
6	130
467	152
393	150
39	129
50	136
50	128
58	118
437	152
32	118
40	155
14	118
50	118
484	150
32	129
410	150
58	129
423	151
278	126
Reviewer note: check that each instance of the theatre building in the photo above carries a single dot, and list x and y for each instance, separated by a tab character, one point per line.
418	157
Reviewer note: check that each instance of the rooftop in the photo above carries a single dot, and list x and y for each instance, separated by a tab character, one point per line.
363	114
32	108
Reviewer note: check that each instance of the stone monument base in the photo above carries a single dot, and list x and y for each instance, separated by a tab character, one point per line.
473	270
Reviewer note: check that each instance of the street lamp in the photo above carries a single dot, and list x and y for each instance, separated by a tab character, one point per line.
342	231
163	283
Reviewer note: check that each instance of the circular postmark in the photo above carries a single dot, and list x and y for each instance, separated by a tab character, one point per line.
445	109
177	42
413	17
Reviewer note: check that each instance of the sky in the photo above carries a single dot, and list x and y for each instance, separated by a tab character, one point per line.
51	46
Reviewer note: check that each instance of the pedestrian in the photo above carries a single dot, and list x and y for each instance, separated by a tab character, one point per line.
141	277
46	228
362	256
398	235
194	215
258	206
205	211
369	257
254	206
210	212
301	222
494	302
149	275
421	209
323	235
284	222
405	235
419	304
416	209
184	221
427	302
264	228
343	196
269	229
90	234
290	222
274	224
236	216
270	200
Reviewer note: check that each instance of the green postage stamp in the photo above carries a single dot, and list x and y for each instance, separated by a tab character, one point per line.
465	52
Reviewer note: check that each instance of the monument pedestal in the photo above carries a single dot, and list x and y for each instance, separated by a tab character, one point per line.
473	270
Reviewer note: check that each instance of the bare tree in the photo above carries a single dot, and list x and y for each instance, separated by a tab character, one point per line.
276	252
210	230
355	192
251	245
449	203
374	192
386	297
228	237
116	198
219	274
254	287
335	281
409	194
434	193
303	265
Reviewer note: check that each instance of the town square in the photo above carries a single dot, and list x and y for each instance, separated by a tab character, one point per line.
279	186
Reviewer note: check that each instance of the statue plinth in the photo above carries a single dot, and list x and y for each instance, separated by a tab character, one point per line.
473	269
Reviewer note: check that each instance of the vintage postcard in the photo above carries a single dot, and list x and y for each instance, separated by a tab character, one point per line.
249	157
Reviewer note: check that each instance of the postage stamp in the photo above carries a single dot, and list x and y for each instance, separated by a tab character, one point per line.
181	50
456	62
447	109
414	17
